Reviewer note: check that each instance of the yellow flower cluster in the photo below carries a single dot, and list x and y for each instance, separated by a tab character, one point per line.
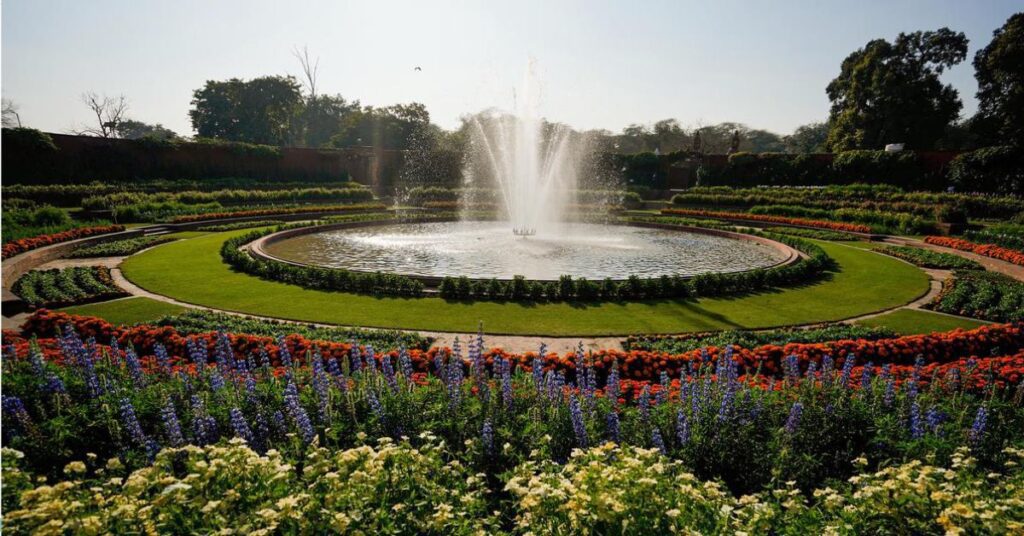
612	489
230	489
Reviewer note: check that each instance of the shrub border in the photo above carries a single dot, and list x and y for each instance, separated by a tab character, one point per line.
805	262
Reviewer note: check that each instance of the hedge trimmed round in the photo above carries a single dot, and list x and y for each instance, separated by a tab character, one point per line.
801	262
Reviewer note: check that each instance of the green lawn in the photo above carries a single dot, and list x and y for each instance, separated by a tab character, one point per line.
914	321
192	271
126	311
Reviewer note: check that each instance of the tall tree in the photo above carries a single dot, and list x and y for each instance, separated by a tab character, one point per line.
809	138
261	110
11	119
891	92
999	69
132	130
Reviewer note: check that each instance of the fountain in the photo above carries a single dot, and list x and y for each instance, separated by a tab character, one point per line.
533	164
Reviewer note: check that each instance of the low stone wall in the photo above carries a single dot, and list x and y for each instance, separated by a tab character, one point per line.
256	248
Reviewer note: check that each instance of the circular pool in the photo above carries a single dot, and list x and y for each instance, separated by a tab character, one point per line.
484	250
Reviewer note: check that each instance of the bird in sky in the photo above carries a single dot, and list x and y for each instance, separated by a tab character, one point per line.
417	68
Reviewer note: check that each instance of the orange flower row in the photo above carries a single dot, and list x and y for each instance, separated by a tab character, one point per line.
275	211
833	225
767	360
988	250
27	244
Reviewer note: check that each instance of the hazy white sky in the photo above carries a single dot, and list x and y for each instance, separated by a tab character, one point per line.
604	64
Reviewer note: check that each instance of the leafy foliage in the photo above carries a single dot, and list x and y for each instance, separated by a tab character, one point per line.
984	295
66	286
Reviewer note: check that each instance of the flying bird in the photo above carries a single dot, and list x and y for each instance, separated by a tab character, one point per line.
417	68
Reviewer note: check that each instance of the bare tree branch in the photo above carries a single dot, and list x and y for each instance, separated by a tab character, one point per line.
309	68
109	111
10	114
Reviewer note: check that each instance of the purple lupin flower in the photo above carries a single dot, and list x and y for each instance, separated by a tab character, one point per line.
538	367
370	359
612	424
54	384
454	377
261	432
134	368
375	406
405	363
265	359
682	427
916	423
578	426
487	437
131	422
934	418
204	426
658	442
791	369
250	362
35	357
223	353
15	409
172	427
645	404
297	413
389	372
333	368
793	421
844	376
978	427
828	367
890	386
865	376
216	380
321	386
612	389
197	352
355	359
506	382
163	360
240	426
283	353
662	395
440	368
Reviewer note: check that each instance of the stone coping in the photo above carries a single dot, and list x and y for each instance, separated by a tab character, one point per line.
257	249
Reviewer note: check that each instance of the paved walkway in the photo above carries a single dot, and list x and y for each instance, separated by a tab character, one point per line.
517	343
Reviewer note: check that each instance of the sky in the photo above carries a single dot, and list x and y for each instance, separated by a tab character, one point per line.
601	64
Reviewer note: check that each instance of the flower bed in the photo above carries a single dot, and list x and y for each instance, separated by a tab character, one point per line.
930	259
277	211
987	250
676	344
67	286
26	244
832	225
120	248
768	360
989	296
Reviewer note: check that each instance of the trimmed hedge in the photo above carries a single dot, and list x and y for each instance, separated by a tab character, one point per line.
902	168
636	288
378	284
991	169
677	344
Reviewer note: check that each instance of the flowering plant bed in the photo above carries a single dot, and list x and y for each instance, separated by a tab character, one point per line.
835	226
930	259
67	286
989	296
26	244
987	250
277	211
120	248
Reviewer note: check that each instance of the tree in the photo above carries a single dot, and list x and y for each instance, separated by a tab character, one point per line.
809	138
109	112
891	92
11	119
132	130
999	69
400	126
261	110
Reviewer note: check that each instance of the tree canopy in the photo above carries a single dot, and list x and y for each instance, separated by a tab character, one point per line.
891	92
261	110
999	69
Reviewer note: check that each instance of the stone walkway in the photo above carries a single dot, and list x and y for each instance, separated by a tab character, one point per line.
523	343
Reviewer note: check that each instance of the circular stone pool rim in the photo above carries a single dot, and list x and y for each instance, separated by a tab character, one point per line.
256	247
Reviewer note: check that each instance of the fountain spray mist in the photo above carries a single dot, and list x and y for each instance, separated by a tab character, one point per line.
533	164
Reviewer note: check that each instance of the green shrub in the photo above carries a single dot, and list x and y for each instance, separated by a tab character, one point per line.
991	169
875	167
930	259
120	248
984	295
677	344
66	286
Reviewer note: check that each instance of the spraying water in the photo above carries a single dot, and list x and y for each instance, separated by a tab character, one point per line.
532	163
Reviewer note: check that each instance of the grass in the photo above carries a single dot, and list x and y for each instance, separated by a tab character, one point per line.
126	311
192	271
915	321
